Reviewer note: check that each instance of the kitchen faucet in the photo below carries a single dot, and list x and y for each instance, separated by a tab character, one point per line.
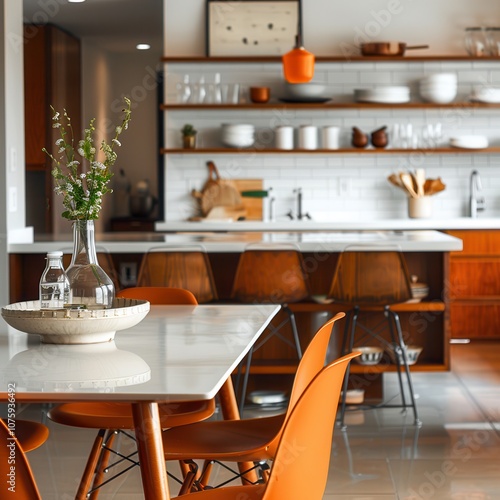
476	202
300	215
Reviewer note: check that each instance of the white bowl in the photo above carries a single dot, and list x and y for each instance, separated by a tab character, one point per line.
369	355
412	354
448	78
307	90
71	326
438	94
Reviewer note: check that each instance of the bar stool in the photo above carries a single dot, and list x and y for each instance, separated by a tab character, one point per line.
270	274
373	281
186	267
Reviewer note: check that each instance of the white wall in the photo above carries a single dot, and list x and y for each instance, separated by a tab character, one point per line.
330	24
344	185
12	211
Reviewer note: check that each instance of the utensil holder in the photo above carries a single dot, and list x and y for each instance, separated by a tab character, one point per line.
420	208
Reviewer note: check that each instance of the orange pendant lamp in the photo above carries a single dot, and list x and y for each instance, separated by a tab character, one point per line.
298	64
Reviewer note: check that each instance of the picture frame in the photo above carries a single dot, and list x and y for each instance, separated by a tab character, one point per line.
251	27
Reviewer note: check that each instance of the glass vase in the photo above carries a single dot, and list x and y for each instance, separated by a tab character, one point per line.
89	286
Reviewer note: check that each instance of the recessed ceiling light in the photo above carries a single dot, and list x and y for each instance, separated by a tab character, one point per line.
143	46
76	1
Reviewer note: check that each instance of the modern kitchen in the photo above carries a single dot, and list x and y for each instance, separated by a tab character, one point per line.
387	148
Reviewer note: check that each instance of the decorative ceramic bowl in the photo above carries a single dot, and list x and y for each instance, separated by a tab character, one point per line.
412	354
369	355
75	326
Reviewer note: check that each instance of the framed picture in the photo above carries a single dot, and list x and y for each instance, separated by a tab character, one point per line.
251	27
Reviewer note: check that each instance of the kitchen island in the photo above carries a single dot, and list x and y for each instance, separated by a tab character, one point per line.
425	323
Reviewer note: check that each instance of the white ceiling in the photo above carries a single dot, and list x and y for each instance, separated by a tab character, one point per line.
117	25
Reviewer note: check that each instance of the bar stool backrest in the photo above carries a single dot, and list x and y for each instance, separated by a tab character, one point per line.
188	269
270	276
375	278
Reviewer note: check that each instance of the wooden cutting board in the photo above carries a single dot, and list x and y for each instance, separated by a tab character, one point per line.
253	206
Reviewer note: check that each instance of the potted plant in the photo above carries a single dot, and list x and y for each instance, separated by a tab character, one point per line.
189	136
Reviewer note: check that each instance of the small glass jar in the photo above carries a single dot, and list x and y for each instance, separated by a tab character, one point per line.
475	41
493	41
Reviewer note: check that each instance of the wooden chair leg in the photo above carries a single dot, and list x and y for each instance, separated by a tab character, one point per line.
90	467
103	463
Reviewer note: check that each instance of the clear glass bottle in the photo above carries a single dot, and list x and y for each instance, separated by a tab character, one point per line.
54	284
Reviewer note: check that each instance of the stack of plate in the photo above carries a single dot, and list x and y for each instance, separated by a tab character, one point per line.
469	142
439	88
389	95
237	136
486	94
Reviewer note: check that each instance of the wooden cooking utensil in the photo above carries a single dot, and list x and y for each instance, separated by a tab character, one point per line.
396	181
433	186
408	184
420	178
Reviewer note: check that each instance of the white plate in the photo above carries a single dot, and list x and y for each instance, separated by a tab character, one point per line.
385	100
469	142
267	397
72	326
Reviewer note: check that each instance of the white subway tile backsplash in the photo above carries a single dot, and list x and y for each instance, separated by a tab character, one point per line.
338	186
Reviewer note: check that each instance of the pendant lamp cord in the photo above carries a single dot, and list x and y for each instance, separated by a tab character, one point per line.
298	37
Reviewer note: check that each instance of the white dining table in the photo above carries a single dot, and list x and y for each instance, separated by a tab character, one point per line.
177	353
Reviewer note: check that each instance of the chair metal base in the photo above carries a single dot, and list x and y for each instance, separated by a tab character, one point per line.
392	322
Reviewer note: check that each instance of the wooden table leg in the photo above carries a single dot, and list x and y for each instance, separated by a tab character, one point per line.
229	408
150	448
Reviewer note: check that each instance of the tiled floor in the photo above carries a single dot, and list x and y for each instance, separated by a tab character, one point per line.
454	455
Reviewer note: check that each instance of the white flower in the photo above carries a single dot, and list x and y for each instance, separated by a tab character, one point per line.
62	150
56	116
56	125
81	152
83	175
59	142
117	142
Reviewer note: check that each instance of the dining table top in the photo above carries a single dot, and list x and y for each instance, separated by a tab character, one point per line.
176	353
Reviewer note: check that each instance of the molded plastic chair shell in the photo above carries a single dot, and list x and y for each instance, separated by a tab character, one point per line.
371	278
253	439
270	276
185	268
24	483
302	461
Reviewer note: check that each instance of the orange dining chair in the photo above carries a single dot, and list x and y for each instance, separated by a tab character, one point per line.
247	440
182	267
27	436
371	282
270	274
111	417
302	459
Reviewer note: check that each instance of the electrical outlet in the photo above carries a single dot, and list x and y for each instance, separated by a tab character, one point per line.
344	186
128	273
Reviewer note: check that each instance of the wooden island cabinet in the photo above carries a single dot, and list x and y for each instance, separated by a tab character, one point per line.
474	285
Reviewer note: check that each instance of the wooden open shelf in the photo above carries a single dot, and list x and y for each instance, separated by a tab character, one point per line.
326	105
257	150
329	59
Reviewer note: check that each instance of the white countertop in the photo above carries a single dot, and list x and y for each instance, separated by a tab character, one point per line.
340	225
221	242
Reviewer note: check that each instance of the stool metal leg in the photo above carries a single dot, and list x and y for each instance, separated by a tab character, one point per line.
354	318
407	368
